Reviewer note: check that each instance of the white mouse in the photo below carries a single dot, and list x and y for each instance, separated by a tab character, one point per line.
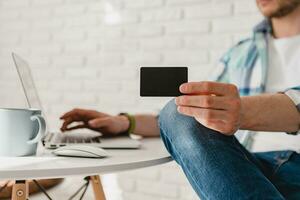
81	151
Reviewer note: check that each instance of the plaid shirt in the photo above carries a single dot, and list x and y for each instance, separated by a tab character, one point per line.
246	66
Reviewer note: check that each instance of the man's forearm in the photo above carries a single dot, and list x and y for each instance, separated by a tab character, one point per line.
269	112
146	125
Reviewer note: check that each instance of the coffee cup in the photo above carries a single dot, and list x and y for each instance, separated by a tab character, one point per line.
20	131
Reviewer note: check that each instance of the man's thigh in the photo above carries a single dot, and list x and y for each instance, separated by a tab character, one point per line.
283	169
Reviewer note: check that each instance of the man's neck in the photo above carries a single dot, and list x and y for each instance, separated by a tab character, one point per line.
287	26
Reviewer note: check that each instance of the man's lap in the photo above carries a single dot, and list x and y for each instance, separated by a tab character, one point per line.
282	168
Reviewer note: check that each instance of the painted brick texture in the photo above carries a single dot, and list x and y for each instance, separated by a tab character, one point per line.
87	53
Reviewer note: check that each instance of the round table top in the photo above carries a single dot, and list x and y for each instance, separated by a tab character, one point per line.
46	165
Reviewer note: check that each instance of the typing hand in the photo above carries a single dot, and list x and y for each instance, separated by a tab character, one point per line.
215	105
108	125
6	183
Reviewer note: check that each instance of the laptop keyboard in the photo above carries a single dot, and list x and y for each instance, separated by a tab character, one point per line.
64	138
70	139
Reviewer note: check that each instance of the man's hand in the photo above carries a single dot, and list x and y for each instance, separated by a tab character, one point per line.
215	105
106	124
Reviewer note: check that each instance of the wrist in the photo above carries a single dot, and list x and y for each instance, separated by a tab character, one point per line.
130	129
125	123
247	118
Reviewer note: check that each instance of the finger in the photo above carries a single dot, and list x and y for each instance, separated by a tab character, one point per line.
10	183
67	114
214	119
219	126
203	101
76	127
66	123
206	87
99	122
3	183
71	113
202	113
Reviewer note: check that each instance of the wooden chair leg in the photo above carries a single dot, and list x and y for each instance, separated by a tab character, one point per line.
97	187
20	190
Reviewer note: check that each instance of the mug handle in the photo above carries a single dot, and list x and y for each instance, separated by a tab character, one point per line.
42	129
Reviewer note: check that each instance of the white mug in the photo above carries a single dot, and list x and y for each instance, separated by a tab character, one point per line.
20	131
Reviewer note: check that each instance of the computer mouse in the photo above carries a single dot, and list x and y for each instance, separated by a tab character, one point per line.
83	151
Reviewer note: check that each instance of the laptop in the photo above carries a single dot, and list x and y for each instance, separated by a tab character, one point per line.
53	140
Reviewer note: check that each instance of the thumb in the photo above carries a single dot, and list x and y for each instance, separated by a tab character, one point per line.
99	122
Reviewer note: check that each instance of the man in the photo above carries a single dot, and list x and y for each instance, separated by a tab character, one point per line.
198	127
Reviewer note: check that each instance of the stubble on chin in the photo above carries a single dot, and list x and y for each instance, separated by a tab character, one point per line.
285	7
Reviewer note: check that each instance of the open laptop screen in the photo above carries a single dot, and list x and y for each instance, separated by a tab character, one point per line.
25	76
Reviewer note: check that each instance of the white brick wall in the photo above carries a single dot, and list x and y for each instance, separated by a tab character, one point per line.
87	53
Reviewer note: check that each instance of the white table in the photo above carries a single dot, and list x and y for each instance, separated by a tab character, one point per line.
152	152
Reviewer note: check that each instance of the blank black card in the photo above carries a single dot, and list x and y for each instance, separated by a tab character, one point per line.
162	81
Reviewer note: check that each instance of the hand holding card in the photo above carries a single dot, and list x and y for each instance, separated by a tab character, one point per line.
162	81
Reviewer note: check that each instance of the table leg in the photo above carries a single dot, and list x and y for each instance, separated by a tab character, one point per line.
20	190
97	187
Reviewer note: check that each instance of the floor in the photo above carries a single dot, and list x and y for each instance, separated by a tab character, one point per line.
63	192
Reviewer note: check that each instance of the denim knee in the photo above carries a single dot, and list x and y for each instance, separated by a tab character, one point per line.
169	119
184	134
166	118
176	129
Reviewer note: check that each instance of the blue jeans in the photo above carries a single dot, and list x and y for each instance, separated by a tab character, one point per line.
219	167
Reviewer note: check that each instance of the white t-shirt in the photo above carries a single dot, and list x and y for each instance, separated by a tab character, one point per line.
283	73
